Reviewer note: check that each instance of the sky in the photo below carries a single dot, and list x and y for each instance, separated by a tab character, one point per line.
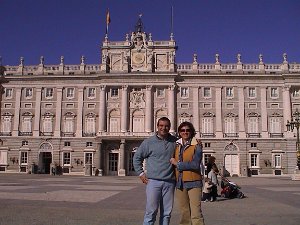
72	28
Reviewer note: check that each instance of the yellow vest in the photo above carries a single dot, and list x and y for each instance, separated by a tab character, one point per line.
188	154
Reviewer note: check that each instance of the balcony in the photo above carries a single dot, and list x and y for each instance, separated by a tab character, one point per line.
5	133
46	133
25	133
207	135
68	134
276	135
230	135
253	135
89	134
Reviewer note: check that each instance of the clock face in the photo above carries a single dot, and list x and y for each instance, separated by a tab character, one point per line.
138	58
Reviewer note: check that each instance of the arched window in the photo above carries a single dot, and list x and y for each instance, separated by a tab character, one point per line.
138	121
90	124
6	124
114	121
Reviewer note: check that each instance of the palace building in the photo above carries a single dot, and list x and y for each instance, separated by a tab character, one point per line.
89	119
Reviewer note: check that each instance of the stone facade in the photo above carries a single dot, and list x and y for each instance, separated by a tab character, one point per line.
90	119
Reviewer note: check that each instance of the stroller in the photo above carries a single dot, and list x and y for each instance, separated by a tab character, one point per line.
230	189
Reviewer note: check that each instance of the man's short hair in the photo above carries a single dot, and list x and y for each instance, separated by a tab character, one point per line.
164	119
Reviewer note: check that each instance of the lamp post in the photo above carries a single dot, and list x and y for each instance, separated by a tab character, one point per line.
290	127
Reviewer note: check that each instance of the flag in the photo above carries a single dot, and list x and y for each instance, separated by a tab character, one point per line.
107	20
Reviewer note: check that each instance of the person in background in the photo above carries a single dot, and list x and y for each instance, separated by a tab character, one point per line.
207	190
187	159
210	163
159	177
212	175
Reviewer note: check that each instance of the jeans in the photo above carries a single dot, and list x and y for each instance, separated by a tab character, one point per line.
160	194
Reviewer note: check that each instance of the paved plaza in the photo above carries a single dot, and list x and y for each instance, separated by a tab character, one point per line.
77	200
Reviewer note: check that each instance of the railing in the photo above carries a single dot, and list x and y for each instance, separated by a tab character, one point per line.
183	68
253	135
5	133
25	133
68	134
207	135
88	134
230	135
276	135
46	133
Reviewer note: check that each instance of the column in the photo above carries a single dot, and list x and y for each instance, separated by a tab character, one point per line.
57	130
287	109
122	159
102	113
99	162
242	133
172	107
264	113
149	115
15	131
219	133
196	110
79	112
124	108
37	112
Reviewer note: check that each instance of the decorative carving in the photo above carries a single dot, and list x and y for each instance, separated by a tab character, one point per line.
137	99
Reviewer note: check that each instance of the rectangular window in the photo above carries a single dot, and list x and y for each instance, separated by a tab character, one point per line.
277	160
89	144
207	125
8	92
160	92
230	125
24	158
252	125
114	92
88	157
296	93
254	160
274	92
49	93
47	125
275	125
114	124
28	92
206	92
69	125
91	92
67	144
70	93
3	157
90	127
207	145
229	92
26	125
184	92
253	145
66	158
252	92
184	105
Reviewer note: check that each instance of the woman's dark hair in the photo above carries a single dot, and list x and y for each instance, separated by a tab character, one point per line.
188	124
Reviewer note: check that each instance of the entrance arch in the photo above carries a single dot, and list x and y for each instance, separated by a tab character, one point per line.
231	160
45	158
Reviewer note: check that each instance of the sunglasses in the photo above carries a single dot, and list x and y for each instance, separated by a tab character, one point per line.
185	130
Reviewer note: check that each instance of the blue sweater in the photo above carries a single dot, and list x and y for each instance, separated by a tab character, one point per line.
157	153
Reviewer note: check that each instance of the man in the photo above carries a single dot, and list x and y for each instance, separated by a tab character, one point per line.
159	177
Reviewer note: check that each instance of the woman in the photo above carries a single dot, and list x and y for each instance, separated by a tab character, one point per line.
188	155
